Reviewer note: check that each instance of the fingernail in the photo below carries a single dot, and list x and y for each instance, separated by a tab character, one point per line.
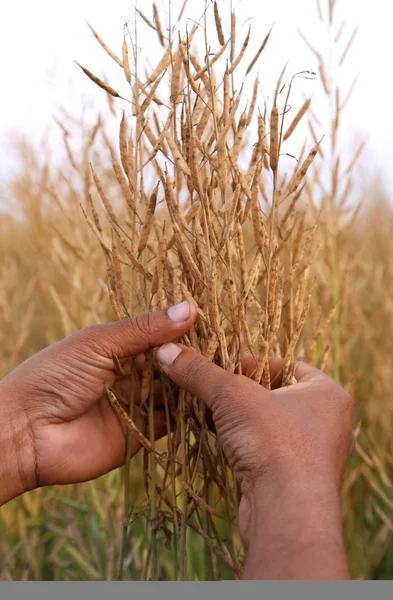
167	354
180	313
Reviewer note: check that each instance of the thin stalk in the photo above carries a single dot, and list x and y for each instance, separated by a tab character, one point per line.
270	258
183	523
171	459
127	478
336	333
153	491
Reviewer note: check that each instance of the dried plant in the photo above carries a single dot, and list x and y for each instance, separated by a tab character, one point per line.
210	194
198	223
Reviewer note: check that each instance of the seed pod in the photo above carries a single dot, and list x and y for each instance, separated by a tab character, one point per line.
123	146
177	155
98	82
146	20
180	240
129	422
300	174
126	62
125	188
162	65
217	20
211	62
158	25
150	96
258	225
274	145
148	221
94	213
203	121
233	36
104	198
128	250
237	60
176	75
258	54
323	76
297	119
105	47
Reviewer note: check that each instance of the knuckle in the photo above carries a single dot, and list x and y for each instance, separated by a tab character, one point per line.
89	339
91	331
143	325
193	370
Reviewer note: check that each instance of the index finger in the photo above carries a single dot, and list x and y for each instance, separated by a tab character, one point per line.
303	371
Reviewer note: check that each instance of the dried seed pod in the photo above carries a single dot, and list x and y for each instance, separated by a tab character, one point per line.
348	46
99	82
258	225
96	218
130	423
128	250
124	185
147	376
237	60
210	63
258	54
126	62
104	198
189	262
301	172
146	20
105	47
177	155
147	222
161	66
217	20
297	119
324	79
176	74
233	36
158	25
274	141
123	146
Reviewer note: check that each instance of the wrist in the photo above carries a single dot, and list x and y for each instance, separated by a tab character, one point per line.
295	529
17	465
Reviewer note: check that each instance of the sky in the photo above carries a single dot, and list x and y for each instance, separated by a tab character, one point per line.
40	40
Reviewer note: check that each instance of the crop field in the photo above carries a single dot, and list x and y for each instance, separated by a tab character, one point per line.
198	182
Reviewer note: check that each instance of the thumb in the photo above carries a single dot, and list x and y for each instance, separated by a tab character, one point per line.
138	334
194	373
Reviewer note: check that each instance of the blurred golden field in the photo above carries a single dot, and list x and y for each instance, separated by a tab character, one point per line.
54	280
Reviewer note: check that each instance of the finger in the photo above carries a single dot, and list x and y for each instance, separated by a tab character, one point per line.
249	366
194	373
303	372
138	334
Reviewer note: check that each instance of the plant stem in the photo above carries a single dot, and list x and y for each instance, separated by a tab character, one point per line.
183	523
127	478
153	510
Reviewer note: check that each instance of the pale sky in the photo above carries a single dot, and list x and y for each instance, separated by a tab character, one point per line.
40	39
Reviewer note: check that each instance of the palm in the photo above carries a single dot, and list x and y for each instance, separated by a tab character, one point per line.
80	449
77	434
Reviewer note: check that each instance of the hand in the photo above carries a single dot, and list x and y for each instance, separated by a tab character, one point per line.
288	448
58	426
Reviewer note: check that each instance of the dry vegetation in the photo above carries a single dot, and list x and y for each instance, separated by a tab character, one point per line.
209	195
